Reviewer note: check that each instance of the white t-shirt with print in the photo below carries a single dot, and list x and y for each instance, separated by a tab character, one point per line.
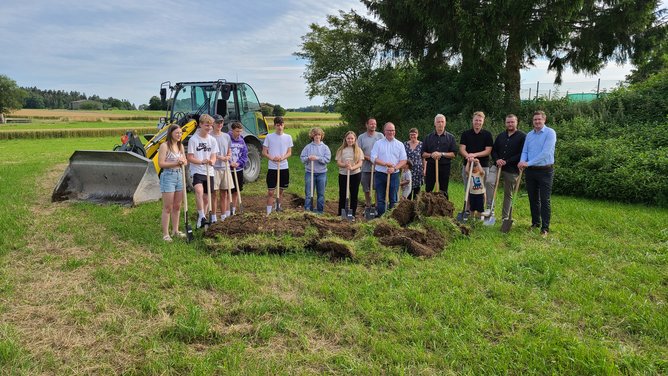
277	146
201	148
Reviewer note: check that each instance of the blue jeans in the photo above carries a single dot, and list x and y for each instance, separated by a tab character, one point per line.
380	182
319	187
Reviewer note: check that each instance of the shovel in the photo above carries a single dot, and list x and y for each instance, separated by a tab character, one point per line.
347	213
437	187
508	222
491	219
240	208
208	193
463	216
189	229
228	177
371	212
312	189
277	202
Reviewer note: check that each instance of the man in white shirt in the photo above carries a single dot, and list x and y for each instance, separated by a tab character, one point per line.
389	155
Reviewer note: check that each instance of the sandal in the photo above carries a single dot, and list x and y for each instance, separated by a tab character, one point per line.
167	238
179	234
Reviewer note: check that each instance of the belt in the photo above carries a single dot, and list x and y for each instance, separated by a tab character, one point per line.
546	167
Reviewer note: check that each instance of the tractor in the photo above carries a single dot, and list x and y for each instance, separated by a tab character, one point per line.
129	174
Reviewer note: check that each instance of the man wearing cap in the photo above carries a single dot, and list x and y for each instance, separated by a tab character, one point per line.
222	176
537	161
389	156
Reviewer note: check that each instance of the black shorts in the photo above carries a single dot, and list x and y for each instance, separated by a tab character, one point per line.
240	178
477	203
271	178
201	179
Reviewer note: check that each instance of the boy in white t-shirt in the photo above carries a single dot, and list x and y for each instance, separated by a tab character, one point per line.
222	176
277	148
202	150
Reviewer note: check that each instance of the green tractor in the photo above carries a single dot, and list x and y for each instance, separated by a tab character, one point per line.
129	174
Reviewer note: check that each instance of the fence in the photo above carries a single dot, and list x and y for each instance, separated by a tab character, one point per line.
576	91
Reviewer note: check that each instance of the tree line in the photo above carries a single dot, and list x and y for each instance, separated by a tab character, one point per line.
61	99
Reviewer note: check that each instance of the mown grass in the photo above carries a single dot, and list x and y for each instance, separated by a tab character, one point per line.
93	289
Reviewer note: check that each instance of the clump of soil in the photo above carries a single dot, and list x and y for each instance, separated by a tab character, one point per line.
433	204
419	243
335	249
413	247
404	212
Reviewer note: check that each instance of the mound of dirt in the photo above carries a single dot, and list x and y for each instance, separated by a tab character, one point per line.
293	223
335	249
292	229
404	212
433	204
419	243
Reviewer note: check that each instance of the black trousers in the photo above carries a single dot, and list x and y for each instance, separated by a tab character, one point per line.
354	190
443	177
539	189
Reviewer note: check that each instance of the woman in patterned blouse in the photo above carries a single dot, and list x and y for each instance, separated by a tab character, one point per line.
414	153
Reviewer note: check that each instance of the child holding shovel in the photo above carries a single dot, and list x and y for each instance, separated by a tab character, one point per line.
315	158
277	148
171	158
239	160
477	193
349	157
202	150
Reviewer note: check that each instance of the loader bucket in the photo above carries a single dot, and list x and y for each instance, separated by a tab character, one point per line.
119	177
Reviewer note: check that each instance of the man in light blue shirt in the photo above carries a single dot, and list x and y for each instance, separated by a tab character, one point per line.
537	161
389	156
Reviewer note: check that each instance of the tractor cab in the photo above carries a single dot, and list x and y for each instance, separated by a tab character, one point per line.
233	101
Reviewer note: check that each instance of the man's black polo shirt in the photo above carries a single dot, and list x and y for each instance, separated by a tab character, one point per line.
477	142
444	143
509	148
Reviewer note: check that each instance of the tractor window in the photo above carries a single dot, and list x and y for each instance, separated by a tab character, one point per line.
248	104
195	99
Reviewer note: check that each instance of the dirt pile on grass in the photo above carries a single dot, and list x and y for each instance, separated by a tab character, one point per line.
293	230
428	205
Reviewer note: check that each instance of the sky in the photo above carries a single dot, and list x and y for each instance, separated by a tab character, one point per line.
126	48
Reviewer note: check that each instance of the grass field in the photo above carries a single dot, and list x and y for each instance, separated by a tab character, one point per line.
87	289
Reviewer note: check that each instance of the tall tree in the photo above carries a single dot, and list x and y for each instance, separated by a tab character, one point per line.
338	56
499	38
11	96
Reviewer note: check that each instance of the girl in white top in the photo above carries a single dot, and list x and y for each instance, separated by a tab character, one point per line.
171	158
349	157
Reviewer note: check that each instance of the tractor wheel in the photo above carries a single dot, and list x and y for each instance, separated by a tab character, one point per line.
252	169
